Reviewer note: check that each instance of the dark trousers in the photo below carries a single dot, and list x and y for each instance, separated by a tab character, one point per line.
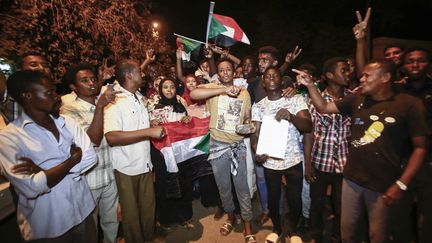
209	191
294	179
417	217
318	191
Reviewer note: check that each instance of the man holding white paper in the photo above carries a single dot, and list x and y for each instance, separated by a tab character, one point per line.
292	111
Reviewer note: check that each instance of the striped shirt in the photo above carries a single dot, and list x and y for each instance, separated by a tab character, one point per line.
331	134
82	112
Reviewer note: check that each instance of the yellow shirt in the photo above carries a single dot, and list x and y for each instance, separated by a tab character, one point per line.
225	113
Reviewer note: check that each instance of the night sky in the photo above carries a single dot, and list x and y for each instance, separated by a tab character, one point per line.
322	28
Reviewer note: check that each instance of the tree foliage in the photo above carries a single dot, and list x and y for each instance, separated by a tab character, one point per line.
70	31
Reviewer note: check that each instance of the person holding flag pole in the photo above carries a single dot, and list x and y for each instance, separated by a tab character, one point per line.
229	107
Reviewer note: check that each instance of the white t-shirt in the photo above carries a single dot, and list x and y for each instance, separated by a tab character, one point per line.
293	152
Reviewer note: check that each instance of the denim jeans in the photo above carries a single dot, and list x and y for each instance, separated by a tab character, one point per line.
306	199
358	201
262	188
222	173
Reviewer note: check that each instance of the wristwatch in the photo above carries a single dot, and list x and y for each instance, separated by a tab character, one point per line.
401	185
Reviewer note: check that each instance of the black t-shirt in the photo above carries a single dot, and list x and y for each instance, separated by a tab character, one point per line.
256	90
424	92
381	133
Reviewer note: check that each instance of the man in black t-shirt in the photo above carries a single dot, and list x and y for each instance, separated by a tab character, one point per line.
387	127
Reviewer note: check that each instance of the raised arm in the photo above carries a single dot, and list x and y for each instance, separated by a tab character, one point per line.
360	33
317	100
208	53
95	130
105	72
225	54
290	58
150	57
179	68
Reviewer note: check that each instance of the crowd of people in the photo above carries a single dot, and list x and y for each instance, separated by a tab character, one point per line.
358	141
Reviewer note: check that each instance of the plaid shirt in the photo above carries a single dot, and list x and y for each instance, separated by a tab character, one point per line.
82	112
331	133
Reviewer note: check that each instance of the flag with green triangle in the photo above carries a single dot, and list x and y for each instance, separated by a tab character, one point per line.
226	26
204	143
187	45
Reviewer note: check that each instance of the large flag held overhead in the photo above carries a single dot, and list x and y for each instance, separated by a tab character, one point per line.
183	141
226	26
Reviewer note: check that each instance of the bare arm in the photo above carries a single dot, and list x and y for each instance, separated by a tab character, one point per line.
317	100
105	72
415	161
57	173
95	130
247	117
360	33
226	54
209	55
150	56
254	136
231	57
302	121
179	67
204	93
308	141
121	138
53	175
289	59
361	49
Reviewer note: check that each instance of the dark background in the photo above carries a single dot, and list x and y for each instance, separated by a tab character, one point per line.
322	28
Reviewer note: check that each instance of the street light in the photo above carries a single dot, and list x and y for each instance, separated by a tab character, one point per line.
155	30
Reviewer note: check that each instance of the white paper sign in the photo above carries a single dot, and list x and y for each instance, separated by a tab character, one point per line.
273	137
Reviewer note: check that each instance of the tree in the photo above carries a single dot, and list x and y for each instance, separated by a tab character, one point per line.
70	31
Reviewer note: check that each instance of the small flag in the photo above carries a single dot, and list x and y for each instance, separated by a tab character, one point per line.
227	26
186	45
